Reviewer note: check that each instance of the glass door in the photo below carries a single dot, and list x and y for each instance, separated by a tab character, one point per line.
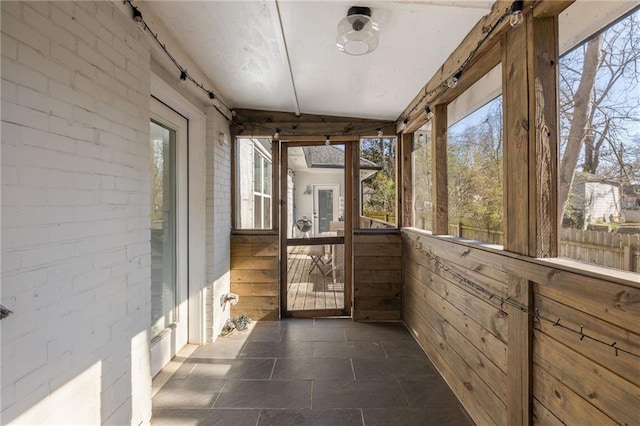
168	206
315	267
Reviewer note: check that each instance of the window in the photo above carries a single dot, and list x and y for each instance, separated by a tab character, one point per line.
599	166
422	178
254	176
475	175
378	183
163	228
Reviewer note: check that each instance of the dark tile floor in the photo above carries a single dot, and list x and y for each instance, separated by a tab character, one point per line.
309	372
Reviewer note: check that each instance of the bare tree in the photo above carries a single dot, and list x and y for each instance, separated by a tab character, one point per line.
599	97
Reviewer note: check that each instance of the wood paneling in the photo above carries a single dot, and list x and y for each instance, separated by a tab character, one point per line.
440	194
377	277
575	381
255	276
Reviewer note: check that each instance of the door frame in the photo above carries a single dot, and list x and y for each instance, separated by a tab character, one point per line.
194	234
347	240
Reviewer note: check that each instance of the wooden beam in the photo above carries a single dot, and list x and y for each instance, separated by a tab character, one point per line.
483	57
515	113
542	57
405	204
457	58
439	169
255	123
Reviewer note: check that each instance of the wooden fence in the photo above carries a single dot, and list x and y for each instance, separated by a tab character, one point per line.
612	250
620	251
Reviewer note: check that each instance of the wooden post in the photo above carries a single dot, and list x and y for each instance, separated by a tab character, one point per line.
529	63
439	170
406	175
626	259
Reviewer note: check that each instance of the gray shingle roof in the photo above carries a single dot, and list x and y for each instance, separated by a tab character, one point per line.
331	157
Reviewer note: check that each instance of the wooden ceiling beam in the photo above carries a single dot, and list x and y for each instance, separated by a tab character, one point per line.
485	57
263	123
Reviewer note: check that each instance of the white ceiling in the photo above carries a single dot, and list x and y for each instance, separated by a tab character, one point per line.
242	47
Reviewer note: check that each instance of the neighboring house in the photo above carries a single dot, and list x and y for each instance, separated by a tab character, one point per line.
594	199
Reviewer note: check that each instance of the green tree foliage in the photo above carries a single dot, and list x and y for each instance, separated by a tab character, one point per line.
475	168
379	190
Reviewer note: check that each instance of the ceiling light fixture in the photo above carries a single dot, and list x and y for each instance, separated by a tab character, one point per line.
357	33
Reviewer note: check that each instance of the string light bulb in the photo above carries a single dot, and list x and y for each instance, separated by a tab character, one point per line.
421	138
380	132
516	18
276	135
404	123
183	78
212	95
429	113
327	141
137	15
453	80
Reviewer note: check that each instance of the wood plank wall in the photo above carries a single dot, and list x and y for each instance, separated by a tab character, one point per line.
465	333
255	276
377	277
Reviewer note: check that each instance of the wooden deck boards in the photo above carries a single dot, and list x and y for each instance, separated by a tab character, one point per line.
311	290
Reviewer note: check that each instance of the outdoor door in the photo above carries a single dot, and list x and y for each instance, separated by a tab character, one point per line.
315	268
168	202
326	206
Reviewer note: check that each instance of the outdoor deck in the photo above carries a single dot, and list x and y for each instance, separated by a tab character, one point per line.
308	287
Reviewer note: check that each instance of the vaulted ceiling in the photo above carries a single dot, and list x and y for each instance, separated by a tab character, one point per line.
280	55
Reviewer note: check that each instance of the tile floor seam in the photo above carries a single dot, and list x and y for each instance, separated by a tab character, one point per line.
362	416
404	395
273	367
219	393
259	415
353	369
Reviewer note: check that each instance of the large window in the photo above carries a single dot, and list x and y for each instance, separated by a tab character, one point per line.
475	175
599	167
378	183
422	178
254	178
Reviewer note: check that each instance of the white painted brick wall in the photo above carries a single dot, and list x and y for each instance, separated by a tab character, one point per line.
75	215
218	221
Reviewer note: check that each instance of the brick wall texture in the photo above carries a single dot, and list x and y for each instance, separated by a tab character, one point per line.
75	215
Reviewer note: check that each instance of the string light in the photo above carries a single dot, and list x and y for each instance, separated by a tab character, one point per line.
441	266
439	88
404	123
276	135
380	132
137	15
183	78
212	95
429	113
454	79
327	141
516	18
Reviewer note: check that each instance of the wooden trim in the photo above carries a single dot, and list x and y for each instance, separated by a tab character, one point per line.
542	52
351	162
234	183
276	197
519	353
283	231
440	224
406	179
293	242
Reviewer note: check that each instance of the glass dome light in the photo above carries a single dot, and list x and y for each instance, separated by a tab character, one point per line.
357	33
